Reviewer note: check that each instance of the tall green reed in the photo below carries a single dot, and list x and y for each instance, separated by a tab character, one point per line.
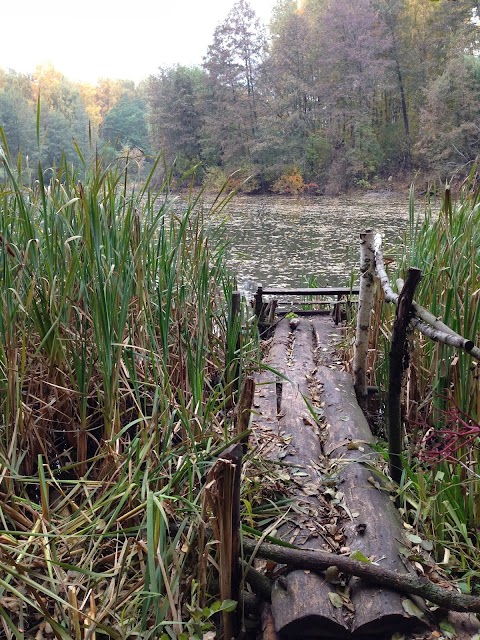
115	333
445	245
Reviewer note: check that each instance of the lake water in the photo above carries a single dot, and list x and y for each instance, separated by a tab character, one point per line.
283	241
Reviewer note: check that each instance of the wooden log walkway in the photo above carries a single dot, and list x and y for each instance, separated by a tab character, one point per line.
306	417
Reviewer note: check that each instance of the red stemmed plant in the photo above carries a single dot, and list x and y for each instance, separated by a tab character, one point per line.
459	435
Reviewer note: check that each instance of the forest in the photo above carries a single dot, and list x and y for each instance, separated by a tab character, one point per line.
332	95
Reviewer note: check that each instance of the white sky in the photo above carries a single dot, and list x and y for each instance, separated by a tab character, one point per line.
90	39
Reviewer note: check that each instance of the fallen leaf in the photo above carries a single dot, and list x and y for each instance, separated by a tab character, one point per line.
446	557
358	555
412	609
427	545
310	489
331	573
414	538
336	600
447	628
349	605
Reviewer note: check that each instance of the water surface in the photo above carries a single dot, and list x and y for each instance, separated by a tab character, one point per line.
283	241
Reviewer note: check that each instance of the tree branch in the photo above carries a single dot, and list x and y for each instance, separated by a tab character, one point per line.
408	583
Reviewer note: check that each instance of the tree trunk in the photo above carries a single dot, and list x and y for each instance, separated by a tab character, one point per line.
365	304
304	603
373	526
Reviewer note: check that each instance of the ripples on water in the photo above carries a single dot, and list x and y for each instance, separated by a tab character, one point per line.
281	241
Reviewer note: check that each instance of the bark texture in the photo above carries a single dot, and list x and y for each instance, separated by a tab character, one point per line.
396	370
365	304
373	526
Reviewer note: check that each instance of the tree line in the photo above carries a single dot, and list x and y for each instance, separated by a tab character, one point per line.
333	94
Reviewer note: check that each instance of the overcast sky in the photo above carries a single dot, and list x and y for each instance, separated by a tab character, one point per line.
89	39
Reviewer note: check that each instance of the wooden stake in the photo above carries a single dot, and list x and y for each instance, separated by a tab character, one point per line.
222	492
244	408
396	370
259	302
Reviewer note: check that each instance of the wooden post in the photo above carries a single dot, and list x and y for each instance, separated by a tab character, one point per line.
259	302
365	304
232	348
222	493
243	410
396	370
337	309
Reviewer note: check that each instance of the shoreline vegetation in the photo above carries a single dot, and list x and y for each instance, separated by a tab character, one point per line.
440	488
119	355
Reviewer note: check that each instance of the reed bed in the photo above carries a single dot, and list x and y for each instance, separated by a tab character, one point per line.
441	487
116	353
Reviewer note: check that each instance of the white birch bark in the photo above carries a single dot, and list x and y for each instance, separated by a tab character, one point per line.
424	321
365	304
452	339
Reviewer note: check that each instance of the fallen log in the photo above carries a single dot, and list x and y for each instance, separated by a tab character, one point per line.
304	604
372	526
315	560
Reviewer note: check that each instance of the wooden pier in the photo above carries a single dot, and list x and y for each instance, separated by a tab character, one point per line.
305	418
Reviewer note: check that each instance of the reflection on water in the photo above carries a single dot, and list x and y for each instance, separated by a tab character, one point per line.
280	241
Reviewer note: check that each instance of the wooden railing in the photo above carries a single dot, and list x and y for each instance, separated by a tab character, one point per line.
264	310
408	314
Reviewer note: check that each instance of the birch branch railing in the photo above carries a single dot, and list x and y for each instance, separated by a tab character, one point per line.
420	319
